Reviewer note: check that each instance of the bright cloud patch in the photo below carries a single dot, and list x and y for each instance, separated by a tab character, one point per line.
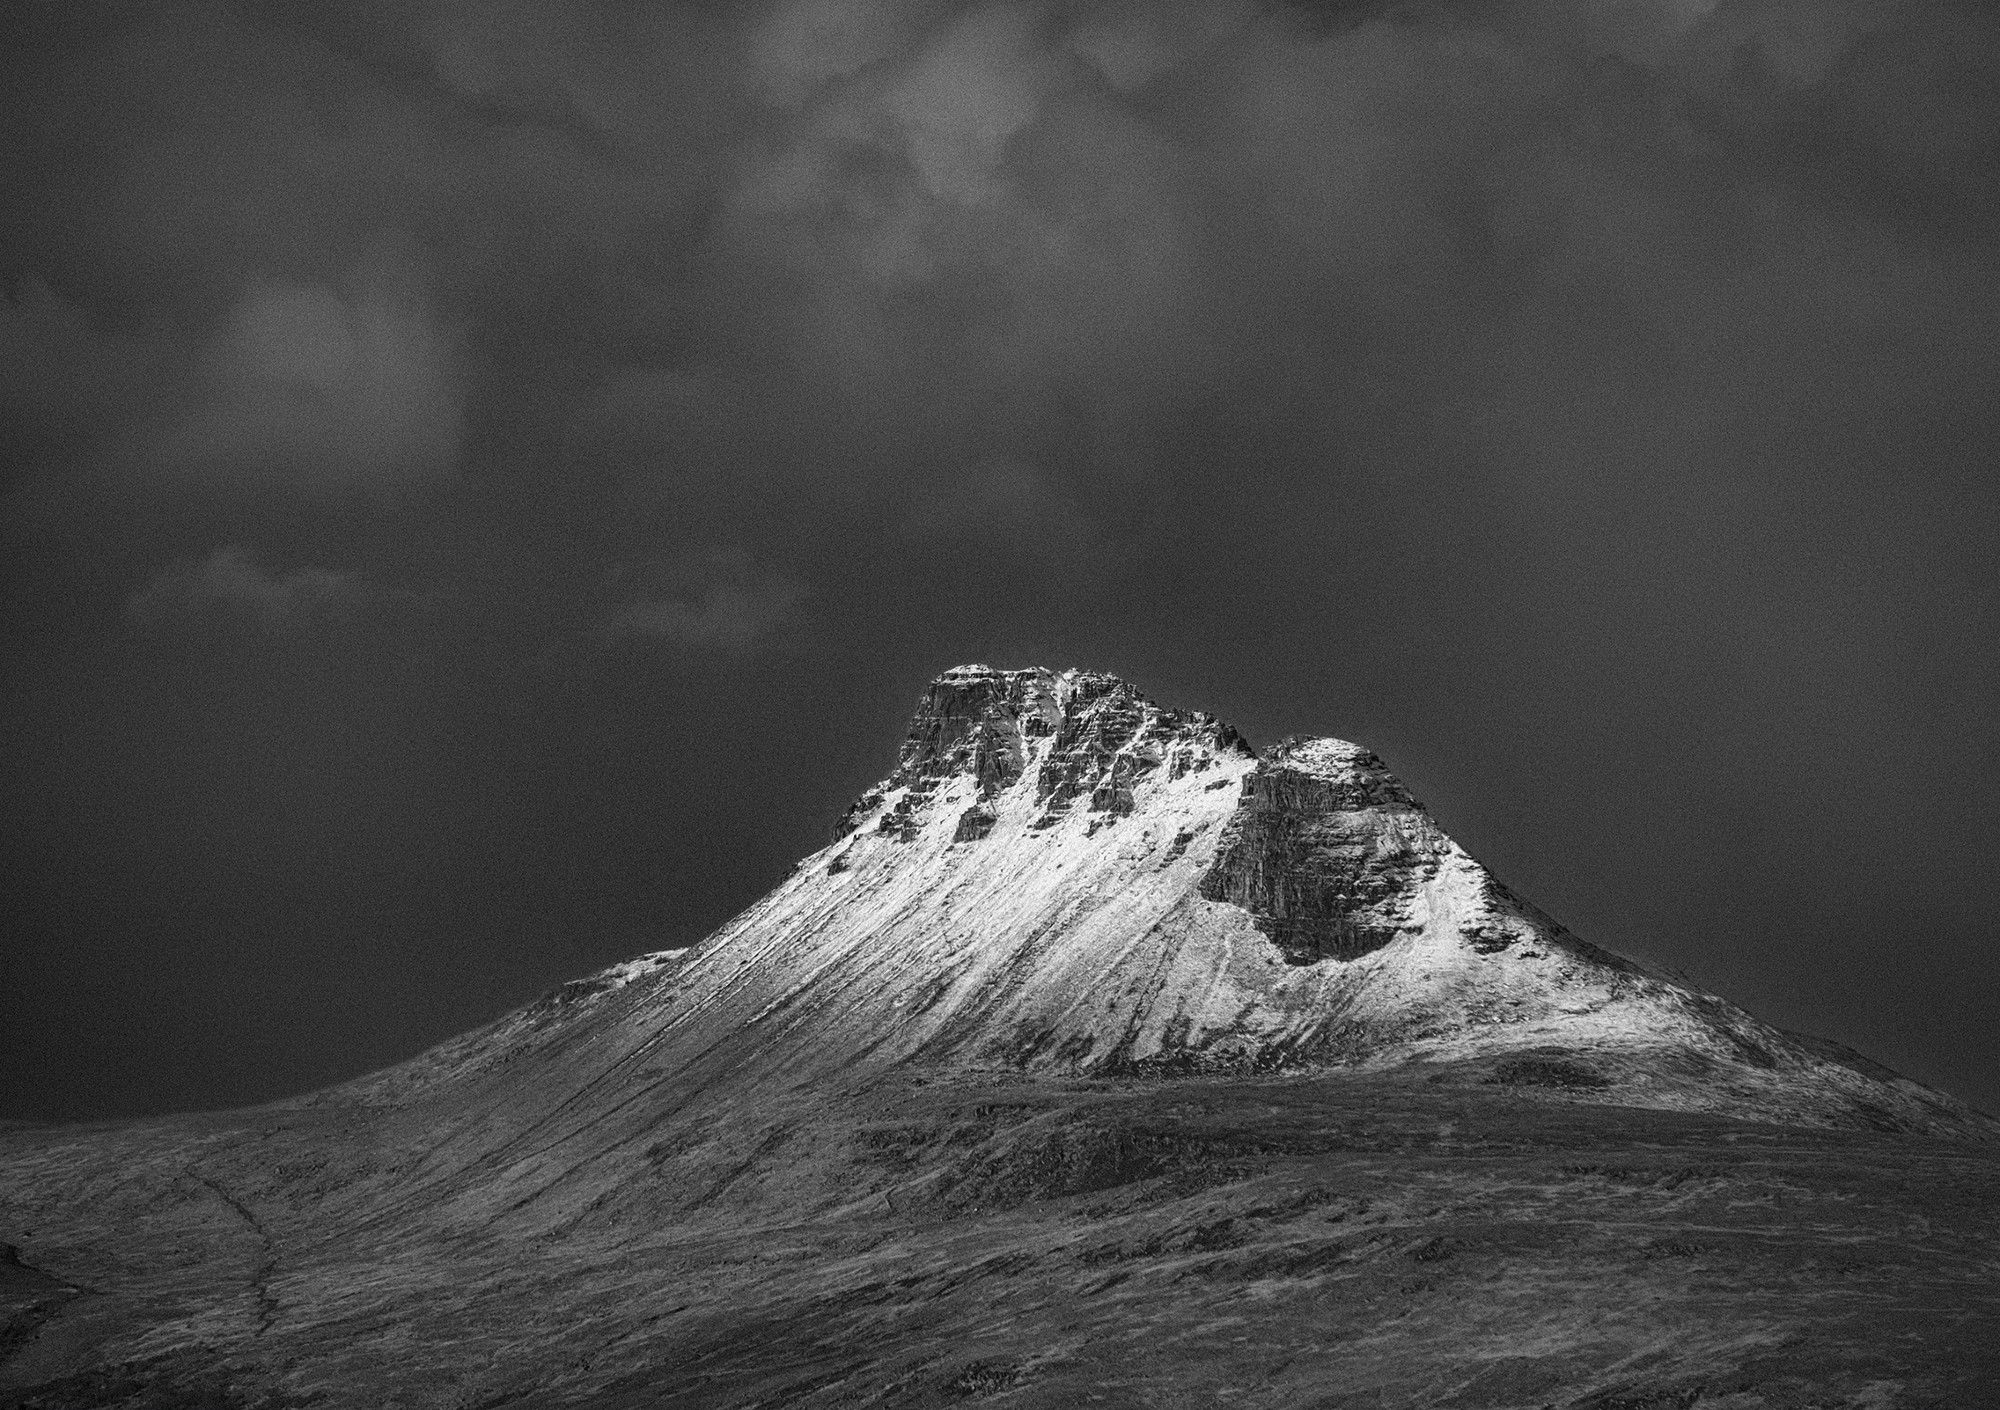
324	388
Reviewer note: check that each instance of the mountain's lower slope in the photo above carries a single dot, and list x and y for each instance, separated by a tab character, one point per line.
1096	1060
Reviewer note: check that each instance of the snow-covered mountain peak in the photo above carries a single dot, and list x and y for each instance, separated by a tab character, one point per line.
1060	874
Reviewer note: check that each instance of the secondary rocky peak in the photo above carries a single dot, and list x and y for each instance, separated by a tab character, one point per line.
1325	850
1331	774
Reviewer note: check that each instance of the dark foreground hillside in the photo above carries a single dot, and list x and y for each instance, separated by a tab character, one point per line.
1466	1236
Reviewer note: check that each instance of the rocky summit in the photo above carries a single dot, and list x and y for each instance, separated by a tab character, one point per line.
1097	1059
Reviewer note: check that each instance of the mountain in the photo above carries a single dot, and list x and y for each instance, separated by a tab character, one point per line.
1062	876
1086	995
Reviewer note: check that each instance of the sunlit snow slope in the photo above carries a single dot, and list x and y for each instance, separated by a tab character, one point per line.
1061	875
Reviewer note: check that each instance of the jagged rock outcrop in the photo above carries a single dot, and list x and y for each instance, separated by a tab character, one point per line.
975	721
1087	735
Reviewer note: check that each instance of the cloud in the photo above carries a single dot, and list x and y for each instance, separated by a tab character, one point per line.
718	601
724	274
801	45
325	388
230	584
966	95
1134	42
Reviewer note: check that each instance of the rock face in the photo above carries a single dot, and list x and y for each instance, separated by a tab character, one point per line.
1088	735
1326	850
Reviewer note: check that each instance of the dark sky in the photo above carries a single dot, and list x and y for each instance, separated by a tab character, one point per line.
485	483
